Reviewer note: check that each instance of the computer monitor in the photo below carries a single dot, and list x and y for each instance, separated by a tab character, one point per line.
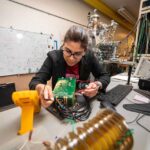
6	91
143	68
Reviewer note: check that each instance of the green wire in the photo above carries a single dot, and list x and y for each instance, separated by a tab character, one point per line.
72	122
127	134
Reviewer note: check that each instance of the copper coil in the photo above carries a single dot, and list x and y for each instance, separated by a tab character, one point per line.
106	131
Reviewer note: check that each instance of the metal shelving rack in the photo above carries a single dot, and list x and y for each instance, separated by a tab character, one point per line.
144	9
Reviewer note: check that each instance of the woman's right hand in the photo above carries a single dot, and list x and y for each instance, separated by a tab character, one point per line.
45	95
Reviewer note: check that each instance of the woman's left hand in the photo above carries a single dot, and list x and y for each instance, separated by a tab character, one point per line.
91	90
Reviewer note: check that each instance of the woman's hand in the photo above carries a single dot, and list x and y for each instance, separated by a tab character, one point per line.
45	94
91	90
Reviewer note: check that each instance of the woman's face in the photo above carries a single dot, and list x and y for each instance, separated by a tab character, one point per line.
72	52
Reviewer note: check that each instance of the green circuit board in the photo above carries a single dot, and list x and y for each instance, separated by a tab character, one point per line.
64	91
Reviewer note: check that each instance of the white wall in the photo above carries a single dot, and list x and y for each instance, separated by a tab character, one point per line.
24	18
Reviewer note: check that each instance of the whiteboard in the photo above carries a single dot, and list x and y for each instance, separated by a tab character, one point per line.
23	52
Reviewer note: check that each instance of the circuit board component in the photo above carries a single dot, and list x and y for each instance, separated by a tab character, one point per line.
64	91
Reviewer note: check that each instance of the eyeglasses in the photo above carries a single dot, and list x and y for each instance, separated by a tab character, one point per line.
69	53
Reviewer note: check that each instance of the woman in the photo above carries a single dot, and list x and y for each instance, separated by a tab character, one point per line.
73	59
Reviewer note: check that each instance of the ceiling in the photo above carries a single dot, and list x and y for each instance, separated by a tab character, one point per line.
131	5
126	17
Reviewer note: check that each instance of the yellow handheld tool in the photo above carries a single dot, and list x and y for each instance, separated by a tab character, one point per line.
29	103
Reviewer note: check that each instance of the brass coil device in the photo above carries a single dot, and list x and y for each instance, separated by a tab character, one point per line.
106	131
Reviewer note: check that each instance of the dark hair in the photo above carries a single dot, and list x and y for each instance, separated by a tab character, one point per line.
77	34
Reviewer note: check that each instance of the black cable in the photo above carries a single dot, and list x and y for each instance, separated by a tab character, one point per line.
137	119
78	112
141	124
133	119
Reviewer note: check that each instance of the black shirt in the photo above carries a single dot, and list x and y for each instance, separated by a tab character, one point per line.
55	66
